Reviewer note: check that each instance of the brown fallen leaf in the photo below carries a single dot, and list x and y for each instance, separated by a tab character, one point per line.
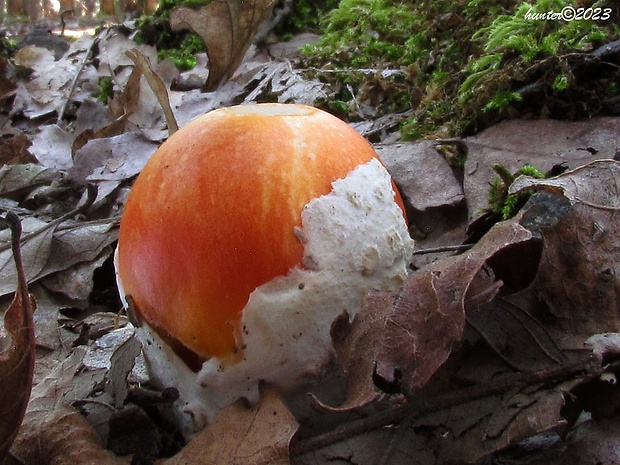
581	248
127	101
7	76
591	442
243	436
14	150
17	350
122	105
115	128
55	433
399	340
48	248
471	431
227	28
157	86
418	168
509	144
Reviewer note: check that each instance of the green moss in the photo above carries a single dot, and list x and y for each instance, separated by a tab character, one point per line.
179	46
366	32
519	47
305	17
502	204
8	45
501	101
423	40
105	89
462	65
560	83
184	57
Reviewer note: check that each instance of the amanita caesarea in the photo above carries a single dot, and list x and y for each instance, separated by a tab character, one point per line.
247	233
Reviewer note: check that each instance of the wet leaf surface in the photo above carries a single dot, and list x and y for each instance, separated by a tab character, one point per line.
418	169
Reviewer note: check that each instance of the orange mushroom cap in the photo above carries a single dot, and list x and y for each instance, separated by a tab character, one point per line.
213	215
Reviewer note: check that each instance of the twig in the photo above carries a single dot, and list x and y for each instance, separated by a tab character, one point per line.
16	233
63	25
348	430
144	397
90	198
80	402
589	368
61	114
445	248
287	9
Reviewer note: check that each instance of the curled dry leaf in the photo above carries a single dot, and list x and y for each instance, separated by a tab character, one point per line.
125	103
16	350
401	339
122	362
582	248
36	247
227	28
157	86
243	436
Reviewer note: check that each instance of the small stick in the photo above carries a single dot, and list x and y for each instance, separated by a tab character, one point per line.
445	248
63	110
589	368
90	198
287	9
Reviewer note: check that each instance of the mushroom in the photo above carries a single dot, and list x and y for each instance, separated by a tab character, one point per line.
244	237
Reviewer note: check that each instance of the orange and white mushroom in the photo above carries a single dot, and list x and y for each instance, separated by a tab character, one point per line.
247	233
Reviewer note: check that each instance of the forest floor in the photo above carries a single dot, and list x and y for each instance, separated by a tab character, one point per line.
513	293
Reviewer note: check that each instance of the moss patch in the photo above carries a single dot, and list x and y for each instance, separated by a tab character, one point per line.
179	46
455	67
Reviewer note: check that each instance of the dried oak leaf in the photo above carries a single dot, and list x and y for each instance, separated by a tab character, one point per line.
227	28
125	103
399	340
580	264
243	436
17	351
55	433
